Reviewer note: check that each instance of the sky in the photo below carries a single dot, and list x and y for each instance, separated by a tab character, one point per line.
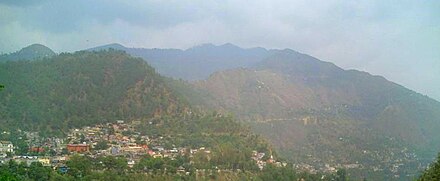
398	39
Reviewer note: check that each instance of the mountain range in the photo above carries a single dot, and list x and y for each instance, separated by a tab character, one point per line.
313	112
195	63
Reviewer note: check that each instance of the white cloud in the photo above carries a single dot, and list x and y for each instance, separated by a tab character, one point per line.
399	40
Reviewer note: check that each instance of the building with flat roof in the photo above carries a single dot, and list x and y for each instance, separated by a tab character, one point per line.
79	148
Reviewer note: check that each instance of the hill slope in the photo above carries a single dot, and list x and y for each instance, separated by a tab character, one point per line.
195	63
83	88
317	113
31	52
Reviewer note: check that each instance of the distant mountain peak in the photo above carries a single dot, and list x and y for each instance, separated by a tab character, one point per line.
36	45
203	46
37	48
30	52
289	51
230	45
115	46
210	46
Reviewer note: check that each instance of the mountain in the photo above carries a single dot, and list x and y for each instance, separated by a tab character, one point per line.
87	89
31	52
195	63
82	88
316	113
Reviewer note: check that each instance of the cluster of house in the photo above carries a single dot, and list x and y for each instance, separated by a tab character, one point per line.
111	139
7	153
259	158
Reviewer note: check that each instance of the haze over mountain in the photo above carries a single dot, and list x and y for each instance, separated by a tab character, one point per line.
306	106
195	71
293	99
316	112
195	63
311	111
52	97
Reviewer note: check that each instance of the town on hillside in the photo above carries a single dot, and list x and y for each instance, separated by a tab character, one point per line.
119	139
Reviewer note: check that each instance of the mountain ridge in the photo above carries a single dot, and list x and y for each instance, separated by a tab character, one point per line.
304	105
195	63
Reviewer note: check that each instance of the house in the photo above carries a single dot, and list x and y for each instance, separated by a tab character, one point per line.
135	149
37	149
79	148
130	163
44	161
6	146
114	150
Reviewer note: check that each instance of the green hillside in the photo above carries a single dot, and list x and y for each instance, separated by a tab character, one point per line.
316	113
73	90
83	88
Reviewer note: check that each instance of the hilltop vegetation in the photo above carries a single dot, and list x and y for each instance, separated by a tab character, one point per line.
83	88
31	52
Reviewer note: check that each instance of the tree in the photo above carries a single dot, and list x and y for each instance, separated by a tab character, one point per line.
341	175
38	172
433	172
2	87
116	164
79	166
101	145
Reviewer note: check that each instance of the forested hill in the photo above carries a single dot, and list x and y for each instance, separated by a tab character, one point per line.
314	111
82	88
31	52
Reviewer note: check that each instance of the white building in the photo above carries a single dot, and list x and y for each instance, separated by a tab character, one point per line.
6	146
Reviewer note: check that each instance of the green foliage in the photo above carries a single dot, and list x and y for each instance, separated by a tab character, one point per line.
101	145
433	172
18	140
341	175
31	52
148	168
79	166
35	171
83	88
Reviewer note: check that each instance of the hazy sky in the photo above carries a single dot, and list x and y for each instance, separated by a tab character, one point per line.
397	39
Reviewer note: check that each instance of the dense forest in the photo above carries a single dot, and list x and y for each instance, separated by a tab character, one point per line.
83	88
